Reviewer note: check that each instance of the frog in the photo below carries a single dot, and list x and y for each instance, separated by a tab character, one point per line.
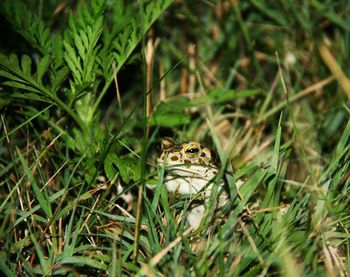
190	170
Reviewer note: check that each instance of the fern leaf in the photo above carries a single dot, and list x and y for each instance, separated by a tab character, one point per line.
73	62
127	41
58	77
20	77
10	76
31	27
26	64
97	7
42	67
21	85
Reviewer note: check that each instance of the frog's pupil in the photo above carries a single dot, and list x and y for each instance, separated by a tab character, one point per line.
192	150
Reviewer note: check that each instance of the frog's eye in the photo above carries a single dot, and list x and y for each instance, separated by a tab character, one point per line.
192	151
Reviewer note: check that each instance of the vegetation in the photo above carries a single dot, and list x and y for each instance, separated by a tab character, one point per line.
89	88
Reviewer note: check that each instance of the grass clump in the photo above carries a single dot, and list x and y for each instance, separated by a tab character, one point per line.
89	88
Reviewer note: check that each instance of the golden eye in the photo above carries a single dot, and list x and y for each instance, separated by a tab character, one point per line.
192	151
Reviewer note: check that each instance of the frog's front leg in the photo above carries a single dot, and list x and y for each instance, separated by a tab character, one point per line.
179	184
195	216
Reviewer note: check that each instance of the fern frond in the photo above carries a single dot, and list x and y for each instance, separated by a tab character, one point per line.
81	44
81	47
127	40
130	37
30	86
27	24
19	75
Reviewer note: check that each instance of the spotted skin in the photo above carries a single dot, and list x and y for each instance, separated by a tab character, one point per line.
191	171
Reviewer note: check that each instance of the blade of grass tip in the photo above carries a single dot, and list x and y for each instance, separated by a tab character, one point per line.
340	151
276	149
268	97
71	238
272	196
44	203
231	76
13	190
344	140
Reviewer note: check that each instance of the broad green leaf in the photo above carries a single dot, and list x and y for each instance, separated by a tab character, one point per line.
110	170
171	113
129	168
221	95
168	119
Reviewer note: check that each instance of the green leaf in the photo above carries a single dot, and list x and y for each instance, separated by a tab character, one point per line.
73	62
276	150
58	77
221	95
80	42
110	170
27	24
83	261
128	167
42	67
171	113
169	119
97	6
129	38
8	75
26	65
21	85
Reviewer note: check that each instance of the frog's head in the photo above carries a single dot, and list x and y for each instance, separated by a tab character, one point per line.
181	157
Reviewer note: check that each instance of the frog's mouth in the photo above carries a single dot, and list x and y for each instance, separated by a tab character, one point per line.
202	171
